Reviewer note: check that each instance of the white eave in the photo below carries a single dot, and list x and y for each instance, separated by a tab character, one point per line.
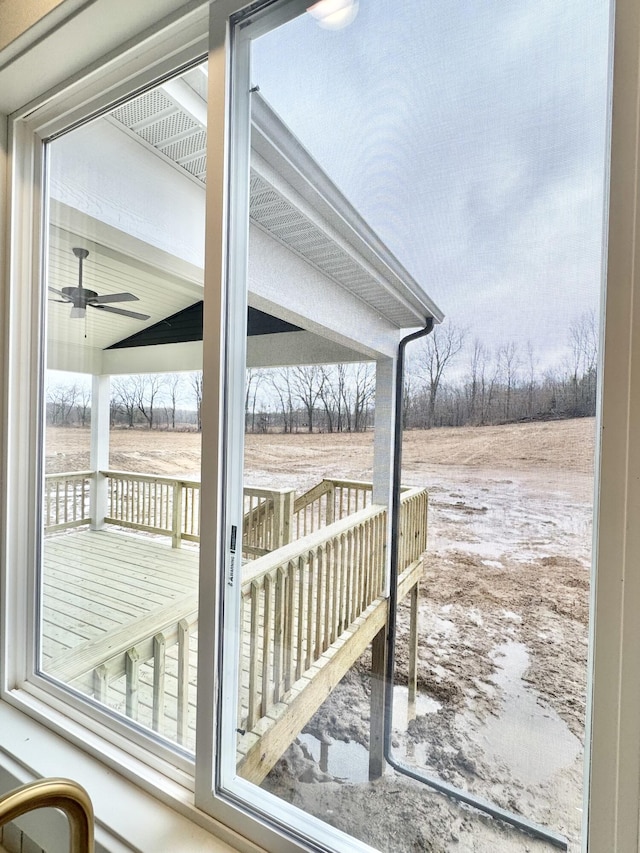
295	201
291	197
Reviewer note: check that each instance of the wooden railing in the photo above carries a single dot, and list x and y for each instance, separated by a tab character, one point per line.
267	517
329	501
67	499
297	601
142	669
169	506
161	505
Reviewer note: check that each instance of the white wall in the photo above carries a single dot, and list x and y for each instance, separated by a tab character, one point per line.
137	192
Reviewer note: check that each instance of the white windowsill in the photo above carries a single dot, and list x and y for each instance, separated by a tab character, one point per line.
127	817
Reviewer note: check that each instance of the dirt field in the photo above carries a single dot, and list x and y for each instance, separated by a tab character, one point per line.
503	630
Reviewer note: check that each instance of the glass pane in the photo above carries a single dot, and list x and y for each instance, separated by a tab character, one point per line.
403	154
119	570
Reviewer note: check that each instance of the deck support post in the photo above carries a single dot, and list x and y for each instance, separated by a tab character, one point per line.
376	725
100	400
413	652
383	445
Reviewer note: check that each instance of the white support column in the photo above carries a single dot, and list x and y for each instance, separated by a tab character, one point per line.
383	440
100	398
383	445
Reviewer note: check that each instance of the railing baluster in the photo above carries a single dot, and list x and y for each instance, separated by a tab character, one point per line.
351	583
327	552
266	646
289	617
310	602
335	580
159	653
183	681
301	616
132	677
101	683
253	700
278	634
319	601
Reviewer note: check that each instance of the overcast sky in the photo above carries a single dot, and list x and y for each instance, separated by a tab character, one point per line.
471	134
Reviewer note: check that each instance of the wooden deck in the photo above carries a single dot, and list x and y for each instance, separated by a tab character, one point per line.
120	617
96	581
106	592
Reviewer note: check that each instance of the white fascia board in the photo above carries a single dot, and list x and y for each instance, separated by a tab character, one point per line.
282	283
277	145
159	358
73	357
296	348
412	314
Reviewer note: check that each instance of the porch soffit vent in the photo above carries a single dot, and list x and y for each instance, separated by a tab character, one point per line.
286	223
164	125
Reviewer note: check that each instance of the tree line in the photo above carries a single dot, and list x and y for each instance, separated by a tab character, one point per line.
153	400
450	384
450	381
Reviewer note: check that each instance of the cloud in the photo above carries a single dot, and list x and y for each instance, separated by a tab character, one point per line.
472	137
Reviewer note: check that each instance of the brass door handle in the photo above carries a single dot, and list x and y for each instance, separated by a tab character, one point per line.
58	794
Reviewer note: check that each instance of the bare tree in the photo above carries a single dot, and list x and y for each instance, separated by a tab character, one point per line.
508	360
532	372
330	397
583	342
253	382
123	396
364	389
474	381
173	384
83	404
306	383
61	399
148	388
280	381
195	380
438	351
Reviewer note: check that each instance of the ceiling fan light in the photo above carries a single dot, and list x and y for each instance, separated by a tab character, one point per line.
78	312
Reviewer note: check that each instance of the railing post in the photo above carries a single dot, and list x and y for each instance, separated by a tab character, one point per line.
276	520
330	513
288	500
282	519
176	520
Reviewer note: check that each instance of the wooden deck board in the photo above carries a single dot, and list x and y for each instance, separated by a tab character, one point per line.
95	581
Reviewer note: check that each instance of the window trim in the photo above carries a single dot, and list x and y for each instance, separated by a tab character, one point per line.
613	734
136	756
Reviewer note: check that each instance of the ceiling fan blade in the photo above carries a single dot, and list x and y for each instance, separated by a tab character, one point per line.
113	297
121	311
65	298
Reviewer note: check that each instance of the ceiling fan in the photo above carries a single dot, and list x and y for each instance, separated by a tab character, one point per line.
81	297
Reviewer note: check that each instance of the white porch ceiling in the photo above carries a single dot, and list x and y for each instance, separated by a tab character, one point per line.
108	271
292	202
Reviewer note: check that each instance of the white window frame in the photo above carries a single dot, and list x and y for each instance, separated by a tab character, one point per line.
613	733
